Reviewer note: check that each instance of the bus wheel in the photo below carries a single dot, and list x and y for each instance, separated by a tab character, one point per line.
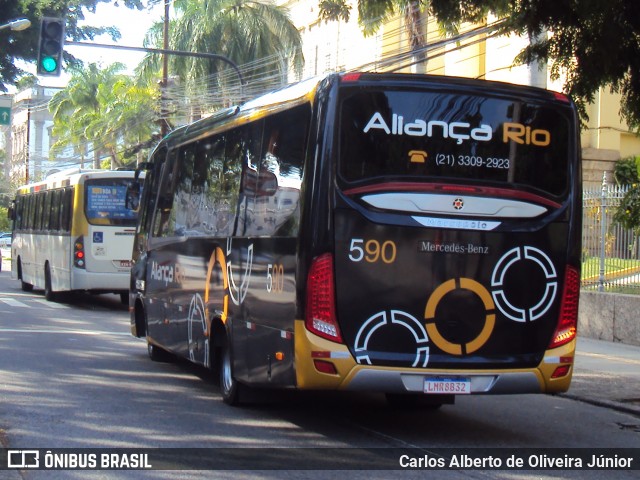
229	386
26	287
49	294
157	354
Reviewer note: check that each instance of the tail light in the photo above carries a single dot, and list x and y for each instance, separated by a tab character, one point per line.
568	321
78	253
321	300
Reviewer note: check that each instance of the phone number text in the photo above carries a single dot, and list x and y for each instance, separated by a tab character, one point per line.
446	159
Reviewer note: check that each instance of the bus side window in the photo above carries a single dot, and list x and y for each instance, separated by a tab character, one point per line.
19	213
65	209
152	181
54	219
281	168
213	197
46	211
39	211
246	158
165	199
178	223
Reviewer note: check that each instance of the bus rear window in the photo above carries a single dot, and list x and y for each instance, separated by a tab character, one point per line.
105	202
403	135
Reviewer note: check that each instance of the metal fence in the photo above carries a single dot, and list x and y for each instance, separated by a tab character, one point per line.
610	253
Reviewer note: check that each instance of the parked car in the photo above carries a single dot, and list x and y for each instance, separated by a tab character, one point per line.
5	240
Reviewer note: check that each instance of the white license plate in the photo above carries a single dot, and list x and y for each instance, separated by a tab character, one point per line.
125	263
457	386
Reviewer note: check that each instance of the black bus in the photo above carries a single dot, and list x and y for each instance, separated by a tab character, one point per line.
417	236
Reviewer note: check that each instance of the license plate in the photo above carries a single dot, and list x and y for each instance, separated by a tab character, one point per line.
458	386
125	263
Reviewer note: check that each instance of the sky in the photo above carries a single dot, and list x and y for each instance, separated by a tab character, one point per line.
133	26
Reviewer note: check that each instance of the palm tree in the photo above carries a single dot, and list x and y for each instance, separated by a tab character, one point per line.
77	106
104	109
247	32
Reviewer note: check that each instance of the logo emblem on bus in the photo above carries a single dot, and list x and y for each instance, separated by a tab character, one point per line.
498	281
458	203
394	319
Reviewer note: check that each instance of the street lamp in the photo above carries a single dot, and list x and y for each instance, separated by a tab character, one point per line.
17	25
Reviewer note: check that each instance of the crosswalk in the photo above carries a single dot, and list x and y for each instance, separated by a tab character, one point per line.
32	303
35	301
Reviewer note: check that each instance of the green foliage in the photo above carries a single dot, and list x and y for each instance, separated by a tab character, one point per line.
5	223
333	10
243	31
628	213
592	43
23	45
103	111
627	171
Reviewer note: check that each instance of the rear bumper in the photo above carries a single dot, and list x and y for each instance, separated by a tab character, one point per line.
107	282
353	376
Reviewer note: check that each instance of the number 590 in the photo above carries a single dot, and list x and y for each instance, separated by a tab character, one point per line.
372	251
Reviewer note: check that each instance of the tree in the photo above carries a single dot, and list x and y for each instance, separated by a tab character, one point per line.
23	45
627	173
243	31
103	110
591	44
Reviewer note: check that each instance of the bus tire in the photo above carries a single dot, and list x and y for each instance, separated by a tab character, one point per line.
158	354
26	287
49	294
230	388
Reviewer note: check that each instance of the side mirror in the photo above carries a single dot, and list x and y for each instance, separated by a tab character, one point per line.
142	167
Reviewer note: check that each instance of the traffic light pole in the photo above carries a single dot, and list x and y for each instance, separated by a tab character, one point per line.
181	53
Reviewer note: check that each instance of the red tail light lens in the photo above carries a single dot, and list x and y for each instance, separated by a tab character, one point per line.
351	77
321	302
568	321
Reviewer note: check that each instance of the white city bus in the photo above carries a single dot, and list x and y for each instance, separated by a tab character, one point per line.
72	232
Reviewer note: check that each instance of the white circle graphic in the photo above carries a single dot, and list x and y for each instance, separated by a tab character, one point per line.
393	317
498	278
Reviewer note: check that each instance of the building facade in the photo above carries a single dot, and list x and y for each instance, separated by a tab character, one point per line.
474	53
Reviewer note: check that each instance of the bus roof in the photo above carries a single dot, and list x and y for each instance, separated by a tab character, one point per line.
304	91
71	176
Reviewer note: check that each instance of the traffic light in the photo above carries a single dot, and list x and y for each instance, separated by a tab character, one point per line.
51	45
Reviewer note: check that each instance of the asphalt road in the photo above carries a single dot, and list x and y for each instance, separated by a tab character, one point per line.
72	376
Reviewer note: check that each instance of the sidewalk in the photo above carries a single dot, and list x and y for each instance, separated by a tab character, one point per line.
6	260
607	374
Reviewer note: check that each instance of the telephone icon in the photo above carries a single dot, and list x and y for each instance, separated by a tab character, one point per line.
418	156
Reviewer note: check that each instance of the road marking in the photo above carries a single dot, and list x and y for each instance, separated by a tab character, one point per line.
609	357
12	302
49	304
66	332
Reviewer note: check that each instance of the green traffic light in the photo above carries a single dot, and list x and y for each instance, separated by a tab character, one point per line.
49	64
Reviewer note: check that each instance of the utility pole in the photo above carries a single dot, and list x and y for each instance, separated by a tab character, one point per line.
165	71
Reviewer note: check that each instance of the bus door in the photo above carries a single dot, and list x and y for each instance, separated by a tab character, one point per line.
162	282
451	227
270	221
